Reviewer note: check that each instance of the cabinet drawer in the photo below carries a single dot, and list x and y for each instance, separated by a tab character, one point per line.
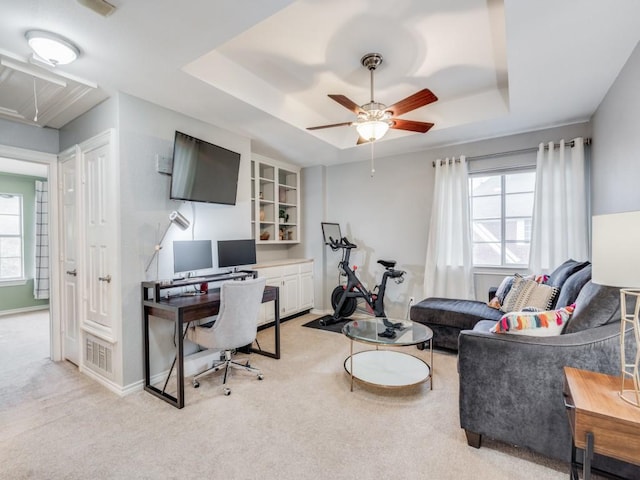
306	267
269	272
290	269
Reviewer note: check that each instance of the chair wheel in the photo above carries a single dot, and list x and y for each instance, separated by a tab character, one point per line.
260	377
420	346
227	391
196	384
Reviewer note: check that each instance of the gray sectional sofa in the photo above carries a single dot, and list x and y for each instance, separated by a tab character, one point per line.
511	385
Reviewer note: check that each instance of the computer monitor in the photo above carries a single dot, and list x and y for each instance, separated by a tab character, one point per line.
236	253
192	255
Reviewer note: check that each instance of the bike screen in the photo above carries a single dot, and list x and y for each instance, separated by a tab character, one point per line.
331	231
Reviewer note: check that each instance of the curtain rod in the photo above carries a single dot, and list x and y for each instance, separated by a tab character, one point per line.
571	144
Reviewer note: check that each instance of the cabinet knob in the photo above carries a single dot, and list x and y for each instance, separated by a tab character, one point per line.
73	272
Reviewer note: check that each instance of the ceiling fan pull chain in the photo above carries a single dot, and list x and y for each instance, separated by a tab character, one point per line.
373	170
35	99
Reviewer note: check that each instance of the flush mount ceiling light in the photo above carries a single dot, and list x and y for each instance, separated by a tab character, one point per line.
51	47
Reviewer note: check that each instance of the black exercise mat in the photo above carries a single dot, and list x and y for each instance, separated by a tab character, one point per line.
336	327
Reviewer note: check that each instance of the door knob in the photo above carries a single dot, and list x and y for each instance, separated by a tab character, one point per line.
73	272
105	279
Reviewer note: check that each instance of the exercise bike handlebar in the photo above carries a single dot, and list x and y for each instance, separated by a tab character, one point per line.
341	243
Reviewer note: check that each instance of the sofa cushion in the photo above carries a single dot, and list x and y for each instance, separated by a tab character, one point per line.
529	293
538	324
564	271
596	305
572	286
461	314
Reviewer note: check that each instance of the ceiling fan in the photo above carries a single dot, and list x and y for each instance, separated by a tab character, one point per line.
374	119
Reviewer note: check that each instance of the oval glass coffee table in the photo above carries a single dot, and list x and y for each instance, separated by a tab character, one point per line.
388	368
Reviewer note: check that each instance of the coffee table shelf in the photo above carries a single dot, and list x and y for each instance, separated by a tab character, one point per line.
385	367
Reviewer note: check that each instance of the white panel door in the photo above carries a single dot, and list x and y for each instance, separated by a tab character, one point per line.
99	217
69	240
290	295
306	291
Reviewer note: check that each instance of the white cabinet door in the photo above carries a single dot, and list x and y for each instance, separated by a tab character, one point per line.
290	295
274	279
306	291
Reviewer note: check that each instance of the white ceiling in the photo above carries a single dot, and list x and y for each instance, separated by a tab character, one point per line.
264	69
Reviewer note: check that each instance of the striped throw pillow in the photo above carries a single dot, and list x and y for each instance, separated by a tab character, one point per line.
537	324
529	293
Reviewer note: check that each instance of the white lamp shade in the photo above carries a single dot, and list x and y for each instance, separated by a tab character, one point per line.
179	219
52	47
616	249
372	130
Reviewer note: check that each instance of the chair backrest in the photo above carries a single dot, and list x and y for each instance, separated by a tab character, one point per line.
237	321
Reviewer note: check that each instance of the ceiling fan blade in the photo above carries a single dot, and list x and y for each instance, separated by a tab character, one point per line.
417	100
330	126
411	125
346	103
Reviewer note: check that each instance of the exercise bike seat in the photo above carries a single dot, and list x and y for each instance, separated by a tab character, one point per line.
387	263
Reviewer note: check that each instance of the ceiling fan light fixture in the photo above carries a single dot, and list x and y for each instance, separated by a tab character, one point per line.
51	47
372	130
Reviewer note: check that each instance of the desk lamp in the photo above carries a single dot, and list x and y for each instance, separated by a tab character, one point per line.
616	262
174	218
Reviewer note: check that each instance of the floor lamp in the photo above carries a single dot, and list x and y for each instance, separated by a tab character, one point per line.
616	262
174	218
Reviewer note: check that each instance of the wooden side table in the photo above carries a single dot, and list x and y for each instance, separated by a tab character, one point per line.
601	422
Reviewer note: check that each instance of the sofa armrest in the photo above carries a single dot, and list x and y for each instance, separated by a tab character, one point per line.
511	385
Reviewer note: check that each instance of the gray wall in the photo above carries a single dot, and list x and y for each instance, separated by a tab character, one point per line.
88	125
146	130
387	215
29	137
616	148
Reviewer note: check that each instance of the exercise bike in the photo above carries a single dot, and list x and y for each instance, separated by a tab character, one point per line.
344	298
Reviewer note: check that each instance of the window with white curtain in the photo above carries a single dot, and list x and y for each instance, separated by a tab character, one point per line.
11	233
501	207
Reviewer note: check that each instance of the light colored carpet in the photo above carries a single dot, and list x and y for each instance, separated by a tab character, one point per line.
301	422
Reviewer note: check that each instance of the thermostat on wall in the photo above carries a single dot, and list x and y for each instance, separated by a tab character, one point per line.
163	164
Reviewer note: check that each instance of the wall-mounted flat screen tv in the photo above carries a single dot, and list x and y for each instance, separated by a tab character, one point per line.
203	172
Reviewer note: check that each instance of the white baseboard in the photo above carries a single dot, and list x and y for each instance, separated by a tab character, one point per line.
193	364
108	384
24	310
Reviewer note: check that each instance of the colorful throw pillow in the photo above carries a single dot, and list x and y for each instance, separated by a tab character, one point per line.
536	324
529	293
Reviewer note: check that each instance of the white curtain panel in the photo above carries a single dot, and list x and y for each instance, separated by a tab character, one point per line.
560	218
41	280
448	269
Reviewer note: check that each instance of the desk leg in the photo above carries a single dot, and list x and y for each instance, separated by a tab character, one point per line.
145	333
276	324
276	306
177	401
588	455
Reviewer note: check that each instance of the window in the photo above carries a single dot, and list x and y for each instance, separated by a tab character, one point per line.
501	210
11	265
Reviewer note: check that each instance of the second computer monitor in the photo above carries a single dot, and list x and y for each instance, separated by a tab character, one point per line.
236	253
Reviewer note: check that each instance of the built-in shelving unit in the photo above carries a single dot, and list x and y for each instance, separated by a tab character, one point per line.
275	198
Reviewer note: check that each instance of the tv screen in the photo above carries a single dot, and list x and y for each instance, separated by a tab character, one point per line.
192	255
203	172
234	253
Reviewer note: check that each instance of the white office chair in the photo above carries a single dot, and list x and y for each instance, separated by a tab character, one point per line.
235	327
